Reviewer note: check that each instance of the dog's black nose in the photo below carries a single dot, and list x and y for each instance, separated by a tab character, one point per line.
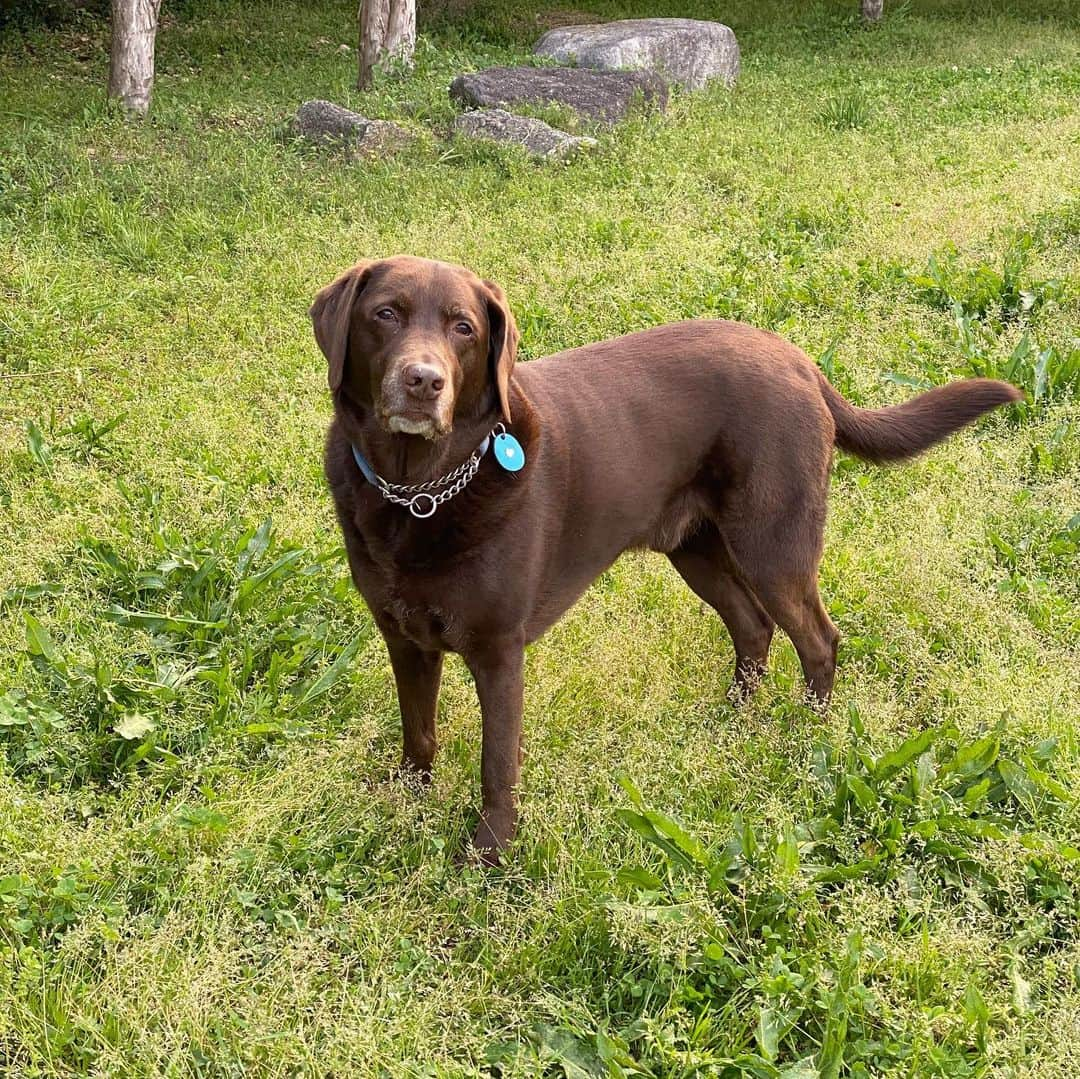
423	381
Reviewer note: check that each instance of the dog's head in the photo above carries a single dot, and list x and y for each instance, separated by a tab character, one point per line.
417	342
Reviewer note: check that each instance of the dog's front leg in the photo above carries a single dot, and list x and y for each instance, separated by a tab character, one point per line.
497	669
417	674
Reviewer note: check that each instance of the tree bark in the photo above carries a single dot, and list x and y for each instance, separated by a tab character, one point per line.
872	9
131	57
387	32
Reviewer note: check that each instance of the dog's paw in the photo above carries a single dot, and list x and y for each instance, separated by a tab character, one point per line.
471	855
745	684
415	776
492	836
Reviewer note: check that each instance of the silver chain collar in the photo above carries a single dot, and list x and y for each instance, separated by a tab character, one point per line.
423	499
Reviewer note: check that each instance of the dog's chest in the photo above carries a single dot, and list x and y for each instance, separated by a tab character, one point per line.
407	598
413	605
427	625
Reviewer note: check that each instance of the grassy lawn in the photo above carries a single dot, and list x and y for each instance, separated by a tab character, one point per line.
205	865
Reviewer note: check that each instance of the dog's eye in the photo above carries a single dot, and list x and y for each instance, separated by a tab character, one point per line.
386	314
464	328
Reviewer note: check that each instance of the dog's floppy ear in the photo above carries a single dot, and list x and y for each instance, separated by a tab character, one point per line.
503	340
330	315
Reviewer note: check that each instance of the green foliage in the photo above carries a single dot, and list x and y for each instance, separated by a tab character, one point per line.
33	735
984	290
846	112
31	14
83	439
983	302
233	627
1043	373
927	820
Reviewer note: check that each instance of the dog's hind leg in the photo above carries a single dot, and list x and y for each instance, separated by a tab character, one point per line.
797	608
704	562
780	563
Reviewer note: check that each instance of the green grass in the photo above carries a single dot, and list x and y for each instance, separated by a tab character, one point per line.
206	867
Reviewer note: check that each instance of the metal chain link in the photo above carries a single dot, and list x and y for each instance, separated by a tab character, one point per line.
420	493
430	485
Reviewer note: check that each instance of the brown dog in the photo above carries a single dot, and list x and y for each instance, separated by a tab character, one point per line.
708	441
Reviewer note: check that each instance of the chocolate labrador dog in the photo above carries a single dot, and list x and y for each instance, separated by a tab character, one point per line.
479	501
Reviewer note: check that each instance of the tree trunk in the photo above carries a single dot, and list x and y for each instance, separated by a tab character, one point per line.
387	32
871	9
131	57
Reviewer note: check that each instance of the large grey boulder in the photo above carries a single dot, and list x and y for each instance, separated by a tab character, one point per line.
603	96
687	51
324	123
538	138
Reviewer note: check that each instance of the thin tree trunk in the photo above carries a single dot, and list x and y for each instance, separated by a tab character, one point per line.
872	9
401	33
131	57
374	18
387	32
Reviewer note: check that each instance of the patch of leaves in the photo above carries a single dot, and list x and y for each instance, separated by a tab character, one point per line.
770	990
983	290
225	637
846	112
1045	374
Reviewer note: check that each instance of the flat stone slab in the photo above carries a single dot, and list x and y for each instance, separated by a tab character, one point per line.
604	96
539	139
687	51
324	123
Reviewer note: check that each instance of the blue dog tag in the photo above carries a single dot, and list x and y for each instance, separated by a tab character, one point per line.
508	452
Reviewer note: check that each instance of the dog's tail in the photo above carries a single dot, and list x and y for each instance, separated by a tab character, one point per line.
899	431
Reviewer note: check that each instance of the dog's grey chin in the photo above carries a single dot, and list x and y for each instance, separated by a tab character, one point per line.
406	425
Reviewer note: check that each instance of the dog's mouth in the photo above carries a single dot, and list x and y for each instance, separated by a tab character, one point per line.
413	422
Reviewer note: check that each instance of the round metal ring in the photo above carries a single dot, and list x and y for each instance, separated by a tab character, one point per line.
415	500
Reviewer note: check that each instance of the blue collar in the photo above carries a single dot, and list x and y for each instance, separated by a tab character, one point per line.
377	481
365	468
